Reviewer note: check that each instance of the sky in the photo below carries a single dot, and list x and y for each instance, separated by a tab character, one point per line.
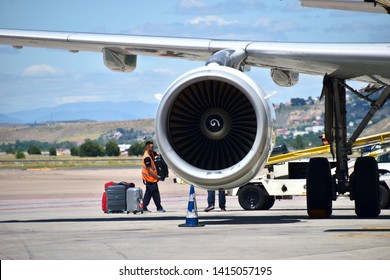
33	78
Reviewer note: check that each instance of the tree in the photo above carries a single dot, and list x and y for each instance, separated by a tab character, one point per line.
112	149
91	149
53	151
10	150
136	149
297	101
20	155
298	143
34	150
75	151
310	101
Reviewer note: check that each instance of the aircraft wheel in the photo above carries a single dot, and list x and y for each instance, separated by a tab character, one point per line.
319	188
365	185
384	197
252	197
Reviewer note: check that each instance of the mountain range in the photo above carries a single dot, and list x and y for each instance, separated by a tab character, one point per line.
78	121
94	111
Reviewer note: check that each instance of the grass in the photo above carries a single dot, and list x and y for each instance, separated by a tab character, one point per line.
47	162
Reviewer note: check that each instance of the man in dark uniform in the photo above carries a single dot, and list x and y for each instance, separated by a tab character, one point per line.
211	200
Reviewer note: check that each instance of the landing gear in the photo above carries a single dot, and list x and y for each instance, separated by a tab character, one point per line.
384	197
319	188
363	186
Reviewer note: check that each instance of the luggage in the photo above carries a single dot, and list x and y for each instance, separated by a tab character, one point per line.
104	202
116	199
134	200
104	196
106	185
162	167
121	197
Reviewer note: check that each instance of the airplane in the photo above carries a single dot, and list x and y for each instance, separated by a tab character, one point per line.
214	124
370	6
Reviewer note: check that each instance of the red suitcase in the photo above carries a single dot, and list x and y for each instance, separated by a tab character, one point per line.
104	197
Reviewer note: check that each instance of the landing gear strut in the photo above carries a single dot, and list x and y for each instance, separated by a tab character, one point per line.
363	187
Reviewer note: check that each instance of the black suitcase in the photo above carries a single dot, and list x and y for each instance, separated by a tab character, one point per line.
116	199
162	167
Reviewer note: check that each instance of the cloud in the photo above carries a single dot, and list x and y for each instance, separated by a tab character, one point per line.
74	99
159	96
210	20
221	7
42	70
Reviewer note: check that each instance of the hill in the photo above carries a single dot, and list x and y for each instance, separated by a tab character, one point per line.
69	131
310	117
290	121
95	111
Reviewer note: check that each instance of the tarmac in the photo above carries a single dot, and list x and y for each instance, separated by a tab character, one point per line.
56	215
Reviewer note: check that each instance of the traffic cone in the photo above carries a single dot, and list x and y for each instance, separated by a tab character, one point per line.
192	212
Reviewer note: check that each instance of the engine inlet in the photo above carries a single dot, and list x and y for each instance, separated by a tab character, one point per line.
212	124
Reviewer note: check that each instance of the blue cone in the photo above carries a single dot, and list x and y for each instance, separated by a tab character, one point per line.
192	211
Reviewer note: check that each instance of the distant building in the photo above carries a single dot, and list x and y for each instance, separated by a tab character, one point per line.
124	147
117	135
63	152
315	128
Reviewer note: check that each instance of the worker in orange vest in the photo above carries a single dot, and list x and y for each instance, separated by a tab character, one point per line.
150	178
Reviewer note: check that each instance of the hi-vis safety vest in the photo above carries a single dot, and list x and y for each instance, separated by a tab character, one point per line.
147	175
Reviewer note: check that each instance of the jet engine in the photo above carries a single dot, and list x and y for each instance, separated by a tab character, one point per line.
214	127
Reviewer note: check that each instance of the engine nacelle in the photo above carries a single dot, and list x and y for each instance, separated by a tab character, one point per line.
214	127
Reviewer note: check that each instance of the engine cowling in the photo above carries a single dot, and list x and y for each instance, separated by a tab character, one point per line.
214	127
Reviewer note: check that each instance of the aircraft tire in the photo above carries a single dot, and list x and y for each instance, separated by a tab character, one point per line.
384	197
252	197
319	188
365	185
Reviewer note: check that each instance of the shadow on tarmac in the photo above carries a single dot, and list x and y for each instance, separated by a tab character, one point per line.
205	220
208	220
360	230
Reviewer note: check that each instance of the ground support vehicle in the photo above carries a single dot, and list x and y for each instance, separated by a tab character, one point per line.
284	180
280	181
262	192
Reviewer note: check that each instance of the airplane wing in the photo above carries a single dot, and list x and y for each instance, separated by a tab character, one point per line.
366	62
370	6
